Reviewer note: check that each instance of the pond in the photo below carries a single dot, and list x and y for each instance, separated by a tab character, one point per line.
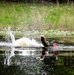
20	60
30	64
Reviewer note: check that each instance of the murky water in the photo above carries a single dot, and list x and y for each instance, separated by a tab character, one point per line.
25	60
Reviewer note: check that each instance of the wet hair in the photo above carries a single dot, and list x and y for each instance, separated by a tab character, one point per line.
55	41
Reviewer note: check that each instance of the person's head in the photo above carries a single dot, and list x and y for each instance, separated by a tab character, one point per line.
55	41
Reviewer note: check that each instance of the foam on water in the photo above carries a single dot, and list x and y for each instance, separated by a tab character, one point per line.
22	42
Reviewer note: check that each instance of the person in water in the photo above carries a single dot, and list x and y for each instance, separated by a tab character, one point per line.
55	49
46	44
45	48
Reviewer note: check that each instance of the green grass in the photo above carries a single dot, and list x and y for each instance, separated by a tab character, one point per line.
22	16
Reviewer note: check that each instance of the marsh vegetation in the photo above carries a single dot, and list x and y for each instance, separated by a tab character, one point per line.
36	16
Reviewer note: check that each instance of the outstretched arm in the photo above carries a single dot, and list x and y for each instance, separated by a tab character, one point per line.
44	42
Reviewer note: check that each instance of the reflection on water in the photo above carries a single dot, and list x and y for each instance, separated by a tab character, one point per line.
21	60
26	53
25	61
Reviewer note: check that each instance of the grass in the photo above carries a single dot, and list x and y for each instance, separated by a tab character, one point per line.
22	16
34	20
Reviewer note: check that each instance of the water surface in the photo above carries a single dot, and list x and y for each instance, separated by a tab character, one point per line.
28	63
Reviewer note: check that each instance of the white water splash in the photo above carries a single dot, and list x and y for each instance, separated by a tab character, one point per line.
24	41
19	42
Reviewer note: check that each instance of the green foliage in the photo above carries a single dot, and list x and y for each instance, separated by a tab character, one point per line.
36	16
